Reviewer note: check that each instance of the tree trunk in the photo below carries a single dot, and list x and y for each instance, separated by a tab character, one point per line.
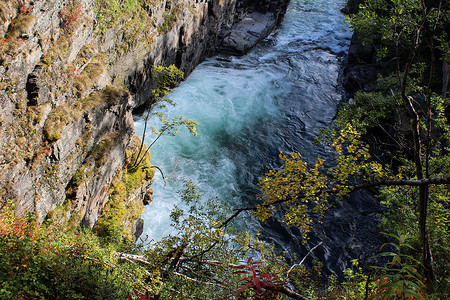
427	258
445	75
408	101
427	270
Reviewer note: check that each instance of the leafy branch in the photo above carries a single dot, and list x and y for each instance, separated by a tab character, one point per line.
166	78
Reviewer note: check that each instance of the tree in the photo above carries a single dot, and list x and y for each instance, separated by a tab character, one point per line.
306	191
207	259
415	35
166	78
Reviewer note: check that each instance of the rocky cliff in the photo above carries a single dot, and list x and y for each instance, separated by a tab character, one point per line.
71	73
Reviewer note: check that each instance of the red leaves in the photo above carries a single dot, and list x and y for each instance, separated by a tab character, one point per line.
70	16
259	285
145	296
43	151
24	10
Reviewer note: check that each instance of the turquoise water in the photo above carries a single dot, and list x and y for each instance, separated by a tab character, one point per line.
273	99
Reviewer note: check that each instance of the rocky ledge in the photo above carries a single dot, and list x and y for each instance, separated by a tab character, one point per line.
254	23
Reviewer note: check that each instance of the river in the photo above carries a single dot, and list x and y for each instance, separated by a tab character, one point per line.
273	99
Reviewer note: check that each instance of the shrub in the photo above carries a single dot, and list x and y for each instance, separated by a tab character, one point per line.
56	262
55	122
20	24
169	20
69	16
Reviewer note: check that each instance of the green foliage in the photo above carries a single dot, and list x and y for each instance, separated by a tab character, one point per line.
403	210
370	109
112	12
303	190
413	35
355	282
165	78
200	259
108	13
122	210
400	278
393	24
311	281
169	20
53	262
20	268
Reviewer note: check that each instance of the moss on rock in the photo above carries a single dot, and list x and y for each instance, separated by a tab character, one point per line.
124	208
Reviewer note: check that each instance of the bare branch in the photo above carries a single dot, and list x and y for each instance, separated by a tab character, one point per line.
410	182
142	141
218	282
198	281
291	294
137	258
162	173
238	211
301	262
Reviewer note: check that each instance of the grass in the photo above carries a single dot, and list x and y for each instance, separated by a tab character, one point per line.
56	121
99	151
93	71
83	173
110	13
169	21
22	136
86	81
131	20
19	26
109	96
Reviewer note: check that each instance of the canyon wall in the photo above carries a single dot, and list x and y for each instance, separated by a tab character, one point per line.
71	73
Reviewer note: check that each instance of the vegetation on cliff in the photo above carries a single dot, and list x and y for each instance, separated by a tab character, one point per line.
71	73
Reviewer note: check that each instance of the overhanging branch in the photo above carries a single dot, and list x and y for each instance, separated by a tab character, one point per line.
352	188
411	182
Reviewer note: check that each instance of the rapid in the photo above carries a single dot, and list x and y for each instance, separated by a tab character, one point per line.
275	98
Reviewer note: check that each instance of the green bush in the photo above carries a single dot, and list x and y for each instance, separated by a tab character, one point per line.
53	262
169	20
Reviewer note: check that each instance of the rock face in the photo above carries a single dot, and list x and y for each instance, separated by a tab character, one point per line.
71	72
256	20
362	69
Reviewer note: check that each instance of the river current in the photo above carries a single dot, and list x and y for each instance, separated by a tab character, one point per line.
250	108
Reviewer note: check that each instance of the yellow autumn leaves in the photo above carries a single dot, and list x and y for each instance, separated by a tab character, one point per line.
304	191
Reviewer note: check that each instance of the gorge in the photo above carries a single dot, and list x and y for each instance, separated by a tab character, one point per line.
275	98
71	73
320	169
60	152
